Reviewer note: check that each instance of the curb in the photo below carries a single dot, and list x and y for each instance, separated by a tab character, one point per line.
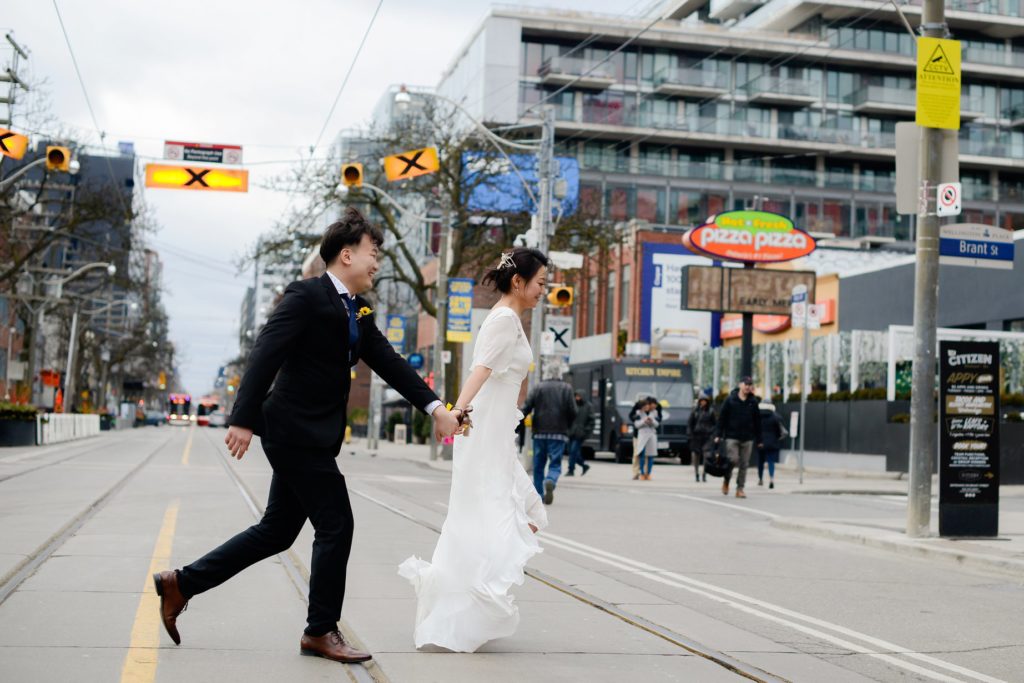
900	545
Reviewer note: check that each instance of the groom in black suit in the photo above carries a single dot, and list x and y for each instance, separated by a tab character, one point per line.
318	331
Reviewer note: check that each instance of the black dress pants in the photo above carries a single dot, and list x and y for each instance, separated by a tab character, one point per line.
304	485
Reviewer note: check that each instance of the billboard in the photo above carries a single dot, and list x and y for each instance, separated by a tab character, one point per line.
492	184
661	293
742	290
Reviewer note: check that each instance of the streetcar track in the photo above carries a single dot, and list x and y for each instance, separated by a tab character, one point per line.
720	658
368	672
92	448
32	562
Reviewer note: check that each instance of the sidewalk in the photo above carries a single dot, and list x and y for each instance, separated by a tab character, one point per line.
1003	555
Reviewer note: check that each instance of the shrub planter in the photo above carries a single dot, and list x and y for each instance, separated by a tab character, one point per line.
17	433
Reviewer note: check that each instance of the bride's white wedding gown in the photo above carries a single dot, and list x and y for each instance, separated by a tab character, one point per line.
463	592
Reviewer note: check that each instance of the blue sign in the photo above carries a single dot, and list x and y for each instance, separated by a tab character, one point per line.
395	332
125	148
492	184
460	309
977	245
415	361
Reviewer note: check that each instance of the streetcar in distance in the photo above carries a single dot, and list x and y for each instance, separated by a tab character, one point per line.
207	406
179	409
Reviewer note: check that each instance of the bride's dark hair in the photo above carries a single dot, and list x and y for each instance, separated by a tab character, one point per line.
521	261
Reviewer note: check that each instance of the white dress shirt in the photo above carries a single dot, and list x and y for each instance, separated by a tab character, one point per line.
343	291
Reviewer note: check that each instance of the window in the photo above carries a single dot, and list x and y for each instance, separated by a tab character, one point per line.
692	208
650	204
531	59
607	107
619	202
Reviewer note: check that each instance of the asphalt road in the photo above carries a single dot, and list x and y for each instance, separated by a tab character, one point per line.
661	580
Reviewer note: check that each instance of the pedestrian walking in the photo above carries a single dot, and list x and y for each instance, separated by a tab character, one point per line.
638	451
772	434
646	424
581	427
700	430
554	410
739	424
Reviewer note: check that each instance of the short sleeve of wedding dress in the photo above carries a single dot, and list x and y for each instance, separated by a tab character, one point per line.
496	341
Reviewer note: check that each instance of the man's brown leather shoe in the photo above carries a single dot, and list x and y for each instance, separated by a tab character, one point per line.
332	646
172	602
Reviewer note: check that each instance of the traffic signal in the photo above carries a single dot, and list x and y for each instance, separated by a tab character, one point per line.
58	158
560	296
352	174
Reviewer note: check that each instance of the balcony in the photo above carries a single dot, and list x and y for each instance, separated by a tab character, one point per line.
876	99
1016	116
835	136
794	177
1011	191
754	172
883	184
784	91
723	10
582	73
840	179
971	108
680	168
993	145
977	192
680	82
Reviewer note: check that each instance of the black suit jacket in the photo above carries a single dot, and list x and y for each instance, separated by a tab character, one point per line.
305	344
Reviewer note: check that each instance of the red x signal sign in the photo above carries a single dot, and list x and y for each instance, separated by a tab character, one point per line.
411	164
12	145
167	177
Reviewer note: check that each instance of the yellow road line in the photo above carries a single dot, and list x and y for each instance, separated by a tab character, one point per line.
143	652
188	446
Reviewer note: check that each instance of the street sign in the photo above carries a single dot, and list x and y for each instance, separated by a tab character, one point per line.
410	164
908	160
968	438
446	356
203	152
566	260
976	245
560	327
460	309
415	361
395	332
12	144
947	199
547	343
167	177
938	83
814	315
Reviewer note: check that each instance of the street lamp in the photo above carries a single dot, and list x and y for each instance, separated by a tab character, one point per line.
58	283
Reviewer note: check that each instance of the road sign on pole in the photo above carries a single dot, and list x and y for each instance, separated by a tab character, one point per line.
12	144
938	83
908	171
976	245
203	152
410	164
560	326
168	177
947	199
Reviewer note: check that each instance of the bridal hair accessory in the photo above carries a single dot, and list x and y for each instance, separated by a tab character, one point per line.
506	261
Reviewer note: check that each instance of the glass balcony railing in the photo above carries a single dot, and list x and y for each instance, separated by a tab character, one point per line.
1012	192
649	119
877	183
979	192
1002	145
607	164
840	179
825	134
749	173
881	98
685	80
680	168
585	73
794	176
770	88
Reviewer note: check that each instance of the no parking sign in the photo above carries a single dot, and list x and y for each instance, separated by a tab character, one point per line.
947	199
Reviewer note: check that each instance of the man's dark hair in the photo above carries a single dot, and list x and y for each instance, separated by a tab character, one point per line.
348	232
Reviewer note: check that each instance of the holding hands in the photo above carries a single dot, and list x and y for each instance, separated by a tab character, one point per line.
446	423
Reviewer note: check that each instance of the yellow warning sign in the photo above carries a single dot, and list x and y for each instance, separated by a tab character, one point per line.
938	83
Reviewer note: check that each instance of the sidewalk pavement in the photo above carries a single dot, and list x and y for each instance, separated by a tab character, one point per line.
1003	555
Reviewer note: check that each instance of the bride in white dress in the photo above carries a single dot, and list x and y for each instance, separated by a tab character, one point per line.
463	597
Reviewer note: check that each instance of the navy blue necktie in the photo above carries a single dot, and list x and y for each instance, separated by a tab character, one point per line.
353	326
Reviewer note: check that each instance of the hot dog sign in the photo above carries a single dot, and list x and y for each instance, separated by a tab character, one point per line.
750	237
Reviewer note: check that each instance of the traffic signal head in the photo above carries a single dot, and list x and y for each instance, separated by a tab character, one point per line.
58	158
560	296
352	175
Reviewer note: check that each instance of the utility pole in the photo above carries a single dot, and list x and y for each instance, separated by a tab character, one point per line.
545	174
441	300
69	379
923	429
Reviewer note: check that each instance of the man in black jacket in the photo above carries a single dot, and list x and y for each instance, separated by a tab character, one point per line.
554	410
739	423
582	427
319	330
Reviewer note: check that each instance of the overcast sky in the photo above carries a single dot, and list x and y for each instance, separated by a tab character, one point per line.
256	73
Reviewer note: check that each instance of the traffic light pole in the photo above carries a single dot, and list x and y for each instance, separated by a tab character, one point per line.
923	429
545	174
441	300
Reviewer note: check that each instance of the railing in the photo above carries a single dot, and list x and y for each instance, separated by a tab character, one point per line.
59	427
575	66
751	173
840	179
784	86
1001	146
680	168
1011	191
877	183
977	192
699	78
794	176
883	95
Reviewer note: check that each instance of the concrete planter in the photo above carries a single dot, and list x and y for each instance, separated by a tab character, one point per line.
17	433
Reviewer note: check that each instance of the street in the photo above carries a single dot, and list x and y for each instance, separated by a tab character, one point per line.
665	580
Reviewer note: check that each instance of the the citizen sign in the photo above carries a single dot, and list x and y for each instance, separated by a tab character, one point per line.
750	237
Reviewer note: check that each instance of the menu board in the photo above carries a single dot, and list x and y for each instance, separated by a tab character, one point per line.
969	438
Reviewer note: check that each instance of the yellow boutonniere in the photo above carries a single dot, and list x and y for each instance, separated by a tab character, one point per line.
365	310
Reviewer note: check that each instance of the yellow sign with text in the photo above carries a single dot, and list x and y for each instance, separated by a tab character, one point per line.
938	83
